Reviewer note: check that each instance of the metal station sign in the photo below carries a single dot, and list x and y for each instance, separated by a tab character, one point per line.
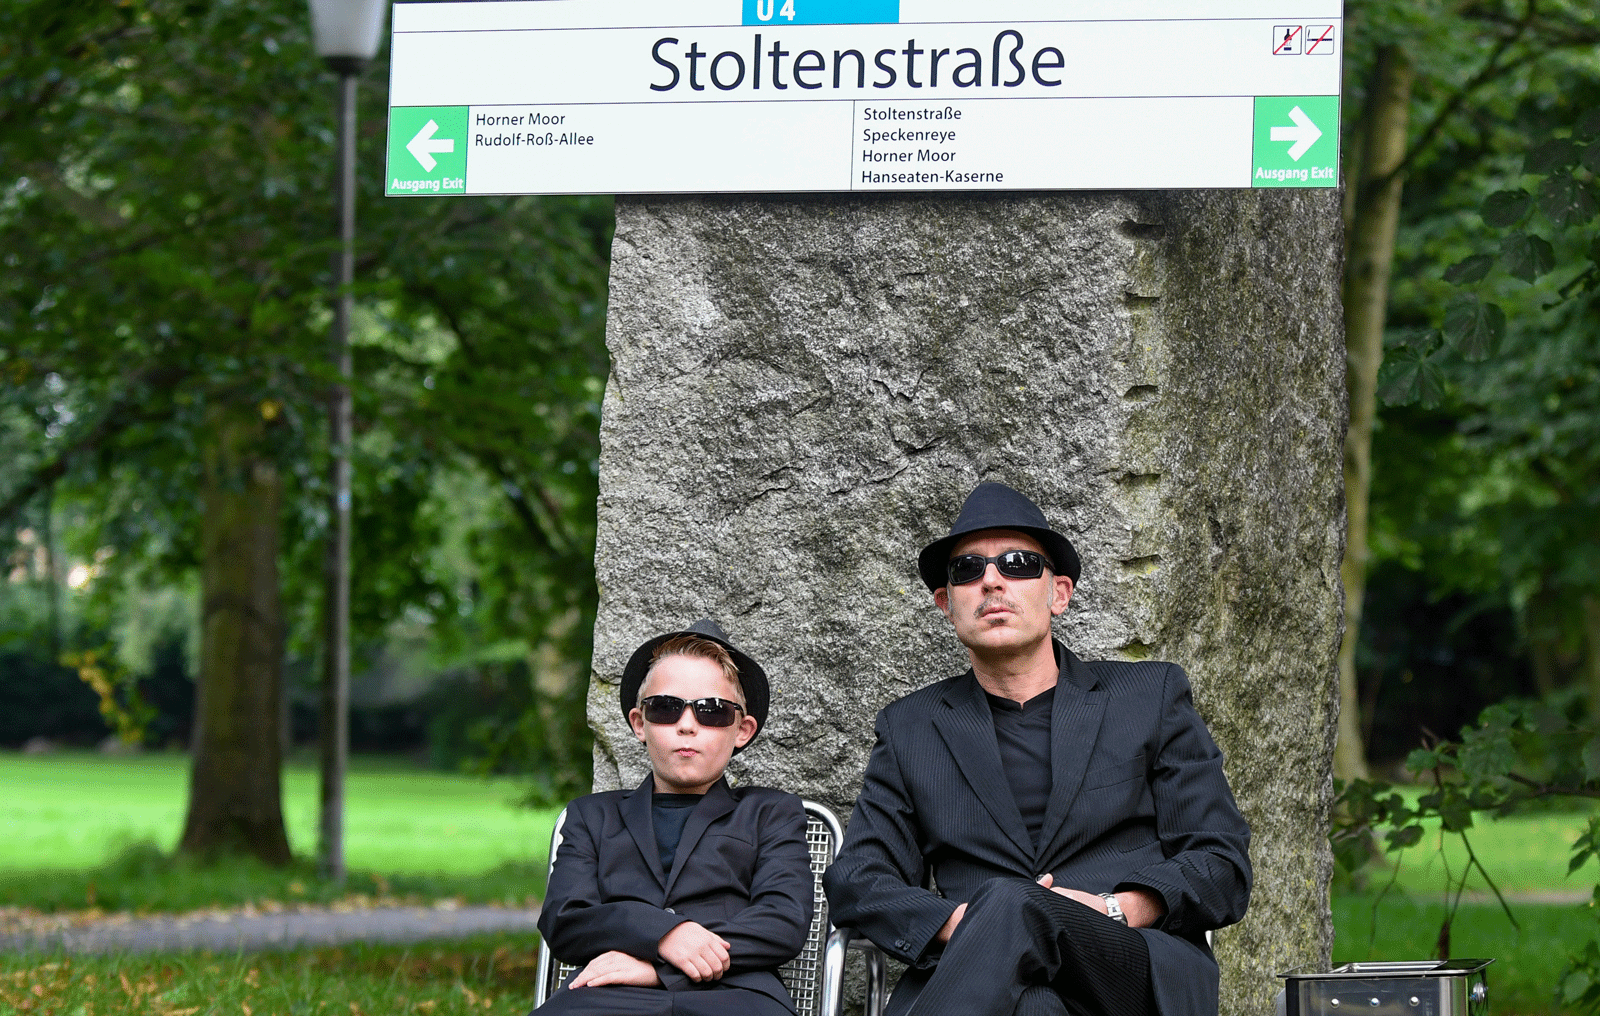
695	96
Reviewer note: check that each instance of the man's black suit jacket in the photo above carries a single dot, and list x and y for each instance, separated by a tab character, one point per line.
742	870
1138	800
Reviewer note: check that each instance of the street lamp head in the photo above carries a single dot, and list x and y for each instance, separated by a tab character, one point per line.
347	32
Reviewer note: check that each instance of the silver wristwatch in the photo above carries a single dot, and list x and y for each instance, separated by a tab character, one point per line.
1113	908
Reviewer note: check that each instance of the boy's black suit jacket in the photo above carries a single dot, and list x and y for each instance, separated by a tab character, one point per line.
742	870
1138	800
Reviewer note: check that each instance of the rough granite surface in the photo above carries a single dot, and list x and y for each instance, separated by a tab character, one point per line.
804	390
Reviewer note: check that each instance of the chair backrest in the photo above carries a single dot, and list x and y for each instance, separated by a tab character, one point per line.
803	975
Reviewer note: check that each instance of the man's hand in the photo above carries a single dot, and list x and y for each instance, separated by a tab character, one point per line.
949	927
1140	907
616	968
701	955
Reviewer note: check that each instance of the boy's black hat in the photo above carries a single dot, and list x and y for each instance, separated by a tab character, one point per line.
996	506
752	679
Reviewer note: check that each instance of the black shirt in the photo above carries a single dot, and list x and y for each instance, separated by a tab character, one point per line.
670	813
1022	733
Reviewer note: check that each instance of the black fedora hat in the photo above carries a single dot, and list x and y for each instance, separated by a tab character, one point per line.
752	679
996	506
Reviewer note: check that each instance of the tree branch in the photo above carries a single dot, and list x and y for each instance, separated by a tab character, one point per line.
1491	70
117	419
1550	790
519	503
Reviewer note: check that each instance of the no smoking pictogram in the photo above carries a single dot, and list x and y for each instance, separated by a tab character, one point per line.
1319	40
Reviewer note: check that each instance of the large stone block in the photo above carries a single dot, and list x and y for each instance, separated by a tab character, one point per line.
804	390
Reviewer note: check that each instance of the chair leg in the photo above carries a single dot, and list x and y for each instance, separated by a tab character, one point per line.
877	984
833	957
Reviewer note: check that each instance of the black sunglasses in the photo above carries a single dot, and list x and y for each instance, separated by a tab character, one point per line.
1013	564
709	712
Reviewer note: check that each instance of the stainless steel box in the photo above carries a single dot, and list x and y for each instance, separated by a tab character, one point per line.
1409	988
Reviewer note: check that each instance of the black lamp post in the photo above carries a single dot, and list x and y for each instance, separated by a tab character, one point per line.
347	33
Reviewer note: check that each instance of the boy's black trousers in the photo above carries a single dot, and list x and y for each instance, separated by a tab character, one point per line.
626	1000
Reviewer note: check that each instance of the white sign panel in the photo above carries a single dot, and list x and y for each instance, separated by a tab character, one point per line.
655	96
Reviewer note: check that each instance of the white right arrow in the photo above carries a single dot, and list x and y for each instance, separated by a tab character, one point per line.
1304	134
424	144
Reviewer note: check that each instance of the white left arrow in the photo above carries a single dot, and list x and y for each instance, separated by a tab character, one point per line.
425	144
1304	133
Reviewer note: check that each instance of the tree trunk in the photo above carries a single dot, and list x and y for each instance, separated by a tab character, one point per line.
1366	304
1541	621
804	389
234	790
1591	646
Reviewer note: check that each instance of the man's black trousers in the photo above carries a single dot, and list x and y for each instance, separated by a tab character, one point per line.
626	1000
1022	950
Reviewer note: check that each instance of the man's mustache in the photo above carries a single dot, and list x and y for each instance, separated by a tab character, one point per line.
996	601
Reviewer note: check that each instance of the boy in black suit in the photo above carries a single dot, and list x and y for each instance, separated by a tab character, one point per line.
683	895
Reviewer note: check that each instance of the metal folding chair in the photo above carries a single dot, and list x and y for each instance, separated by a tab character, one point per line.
815	978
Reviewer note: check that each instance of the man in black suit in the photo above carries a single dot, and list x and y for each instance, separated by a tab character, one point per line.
1040	835
682	896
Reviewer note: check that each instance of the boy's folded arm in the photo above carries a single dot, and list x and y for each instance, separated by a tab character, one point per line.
577	924
580	934
772	929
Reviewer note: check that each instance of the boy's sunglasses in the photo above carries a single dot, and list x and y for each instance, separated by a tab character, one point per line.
1013	564
708	712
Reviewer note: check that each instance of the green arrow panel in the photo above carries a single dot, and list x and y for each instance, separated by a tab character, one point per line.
1296	141
427	151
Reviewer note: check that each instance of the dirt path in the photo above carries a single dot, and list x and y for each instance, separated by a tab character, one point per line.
252	931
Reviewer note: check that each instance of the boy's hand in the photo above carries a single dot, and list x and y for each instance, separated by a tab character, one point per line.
616	968
701	955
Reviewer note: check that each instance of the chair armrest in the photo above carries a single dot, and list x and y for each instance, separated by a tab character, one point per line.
861	943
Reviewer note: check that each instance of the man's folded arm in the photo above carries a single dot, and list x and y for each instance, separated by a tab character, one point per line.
875	885
577	924
1205	878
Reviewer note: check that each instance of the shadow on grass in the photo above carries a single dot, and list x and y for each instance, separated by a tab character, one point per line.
144	878
484	974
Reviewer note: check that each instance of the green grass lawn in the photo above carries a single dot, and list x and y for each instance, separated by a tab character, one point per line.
80	829
72	825
1527	962
1523	853
73	809
488	975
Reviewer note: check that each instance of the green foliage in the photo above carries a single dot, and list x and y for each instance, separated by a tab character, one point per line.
1519	753
121	706
1487	455
167	222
